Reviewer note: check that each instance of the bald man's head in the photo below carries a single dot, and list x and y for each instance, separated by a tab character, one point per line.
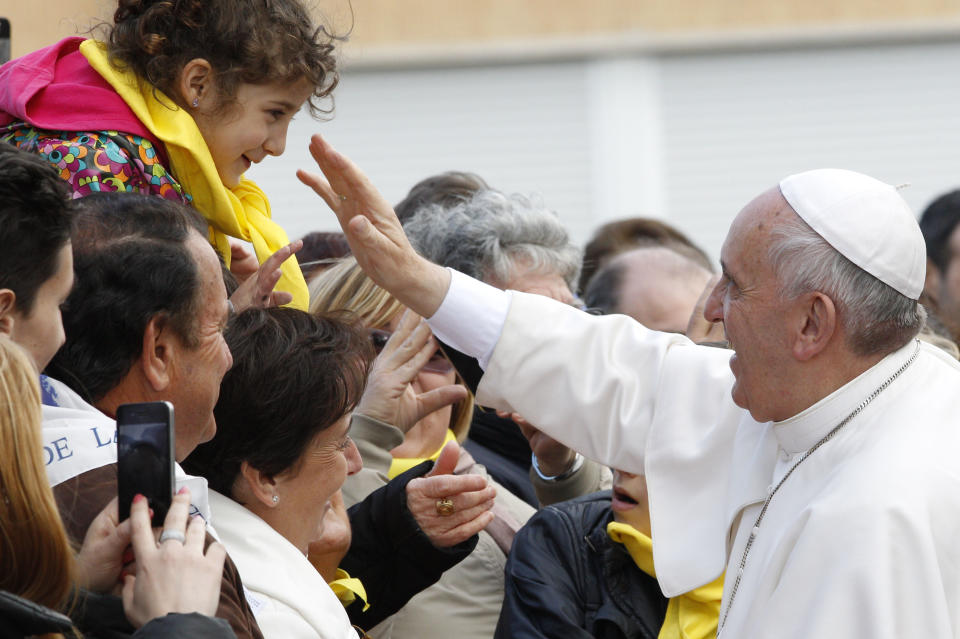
656	286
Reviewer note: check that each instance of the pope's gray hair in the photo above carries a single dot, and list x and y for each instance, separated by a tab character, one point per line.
487	235
876	317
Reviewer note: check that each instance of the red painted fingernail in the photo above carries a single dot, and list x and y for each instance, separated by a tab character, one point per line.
182	490
138	498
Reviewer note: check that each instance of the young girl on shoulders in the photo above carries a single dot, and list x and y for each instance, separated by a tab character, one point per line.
178	101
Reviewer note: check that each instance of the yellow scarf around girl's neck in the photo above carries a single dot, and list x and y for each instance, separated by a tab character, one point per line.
692	615
241	212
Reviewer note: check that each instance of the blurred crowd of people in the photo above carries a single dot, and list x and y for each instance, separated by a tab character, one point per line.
447	419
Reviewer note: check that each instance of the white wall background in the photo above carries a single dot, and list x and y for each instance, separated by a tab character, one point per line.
689	138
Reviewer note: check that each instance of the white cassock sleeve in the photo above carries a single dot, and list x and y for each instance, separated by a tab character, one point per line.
630	398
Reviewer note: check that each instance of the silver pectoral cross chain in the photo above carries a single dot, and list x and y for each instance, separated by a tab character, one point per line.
763	511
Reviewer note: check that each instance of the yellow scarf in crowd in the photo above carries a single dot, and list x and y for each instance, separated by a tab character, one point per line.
692	615
242	212
403	464
348	588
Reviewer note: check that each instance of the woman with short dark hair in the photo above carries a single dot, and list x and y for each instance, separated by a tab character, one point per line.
275	468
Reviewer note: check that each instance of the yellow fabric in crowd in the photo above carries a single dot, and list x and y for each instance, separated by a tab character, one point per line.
403	464
242	212
348	588
692	615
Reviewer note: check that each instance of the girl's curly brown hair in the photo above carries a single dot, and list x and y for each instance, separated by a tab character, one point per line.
245	41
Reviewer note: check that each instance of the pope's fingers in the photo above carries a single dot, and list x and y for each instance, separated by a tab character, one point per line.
320	186
336	165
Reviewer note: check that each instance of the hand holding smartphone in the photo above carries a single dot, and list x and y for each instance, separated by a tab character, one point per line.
145	457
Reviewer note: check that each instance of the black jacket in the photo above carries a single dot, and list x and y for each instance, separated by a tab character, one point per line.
566	579
20	618
389	553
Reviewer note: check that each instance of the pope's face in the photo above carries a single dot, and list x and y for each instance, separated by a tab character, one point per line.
754	316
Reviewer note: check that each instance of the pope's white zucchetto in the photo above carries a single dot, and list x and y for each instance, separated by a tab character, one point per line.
866	220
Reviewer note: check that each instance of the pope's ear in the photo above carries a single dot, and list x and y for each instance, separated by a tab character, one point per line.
8	300
816	324
158	351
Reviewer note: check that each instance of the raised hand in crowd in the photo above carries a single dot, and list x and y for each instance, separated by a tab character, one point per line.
374	232
257	288
173	574
389	395
469	496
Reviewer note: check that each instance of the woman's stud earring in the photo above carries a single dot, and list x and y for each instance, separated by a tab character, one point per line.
276	499
195	103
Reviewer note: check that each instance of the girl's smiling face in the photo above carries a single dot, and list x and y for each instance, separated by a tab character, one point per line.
250	128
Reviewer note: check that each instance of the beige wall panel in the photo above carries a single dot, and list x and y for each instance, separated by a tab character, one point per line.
386	23
418	22
37	23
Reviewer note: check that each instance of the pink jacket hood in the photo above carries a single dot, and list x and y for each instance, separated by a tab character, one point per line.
56	89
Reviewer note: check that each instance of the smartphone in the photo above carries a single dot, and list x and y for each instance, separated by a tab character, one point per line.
145	457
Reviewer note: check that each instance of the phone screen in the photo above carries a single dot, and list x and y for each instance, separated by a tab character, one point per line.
145	456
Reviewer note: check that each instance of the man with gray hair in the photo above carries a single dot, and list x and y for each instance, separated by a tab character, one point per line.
817	465
511	242
508	241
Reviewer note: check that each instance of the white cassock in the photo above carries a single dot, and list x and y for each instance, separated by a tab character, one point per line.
862	540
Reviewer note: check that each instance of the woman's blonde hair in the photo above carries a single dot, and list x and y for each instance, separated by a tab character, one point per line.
36	559
345	287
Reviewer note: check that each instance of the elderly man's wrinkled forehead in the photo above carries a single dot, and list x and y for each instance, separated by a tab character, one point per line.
762	214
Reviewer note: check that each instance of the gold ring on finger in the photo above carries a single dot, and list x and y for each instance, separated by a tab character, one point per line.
445	507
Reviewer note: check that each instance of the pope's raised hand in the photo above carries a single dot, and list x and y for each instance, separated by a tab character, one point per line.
374	232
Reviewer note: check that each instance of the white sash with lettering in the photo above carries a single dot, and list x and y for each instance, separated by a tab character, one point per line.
78	438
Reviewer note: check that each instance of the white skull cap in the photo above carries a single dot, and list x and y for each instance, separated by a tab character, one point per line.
866	220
